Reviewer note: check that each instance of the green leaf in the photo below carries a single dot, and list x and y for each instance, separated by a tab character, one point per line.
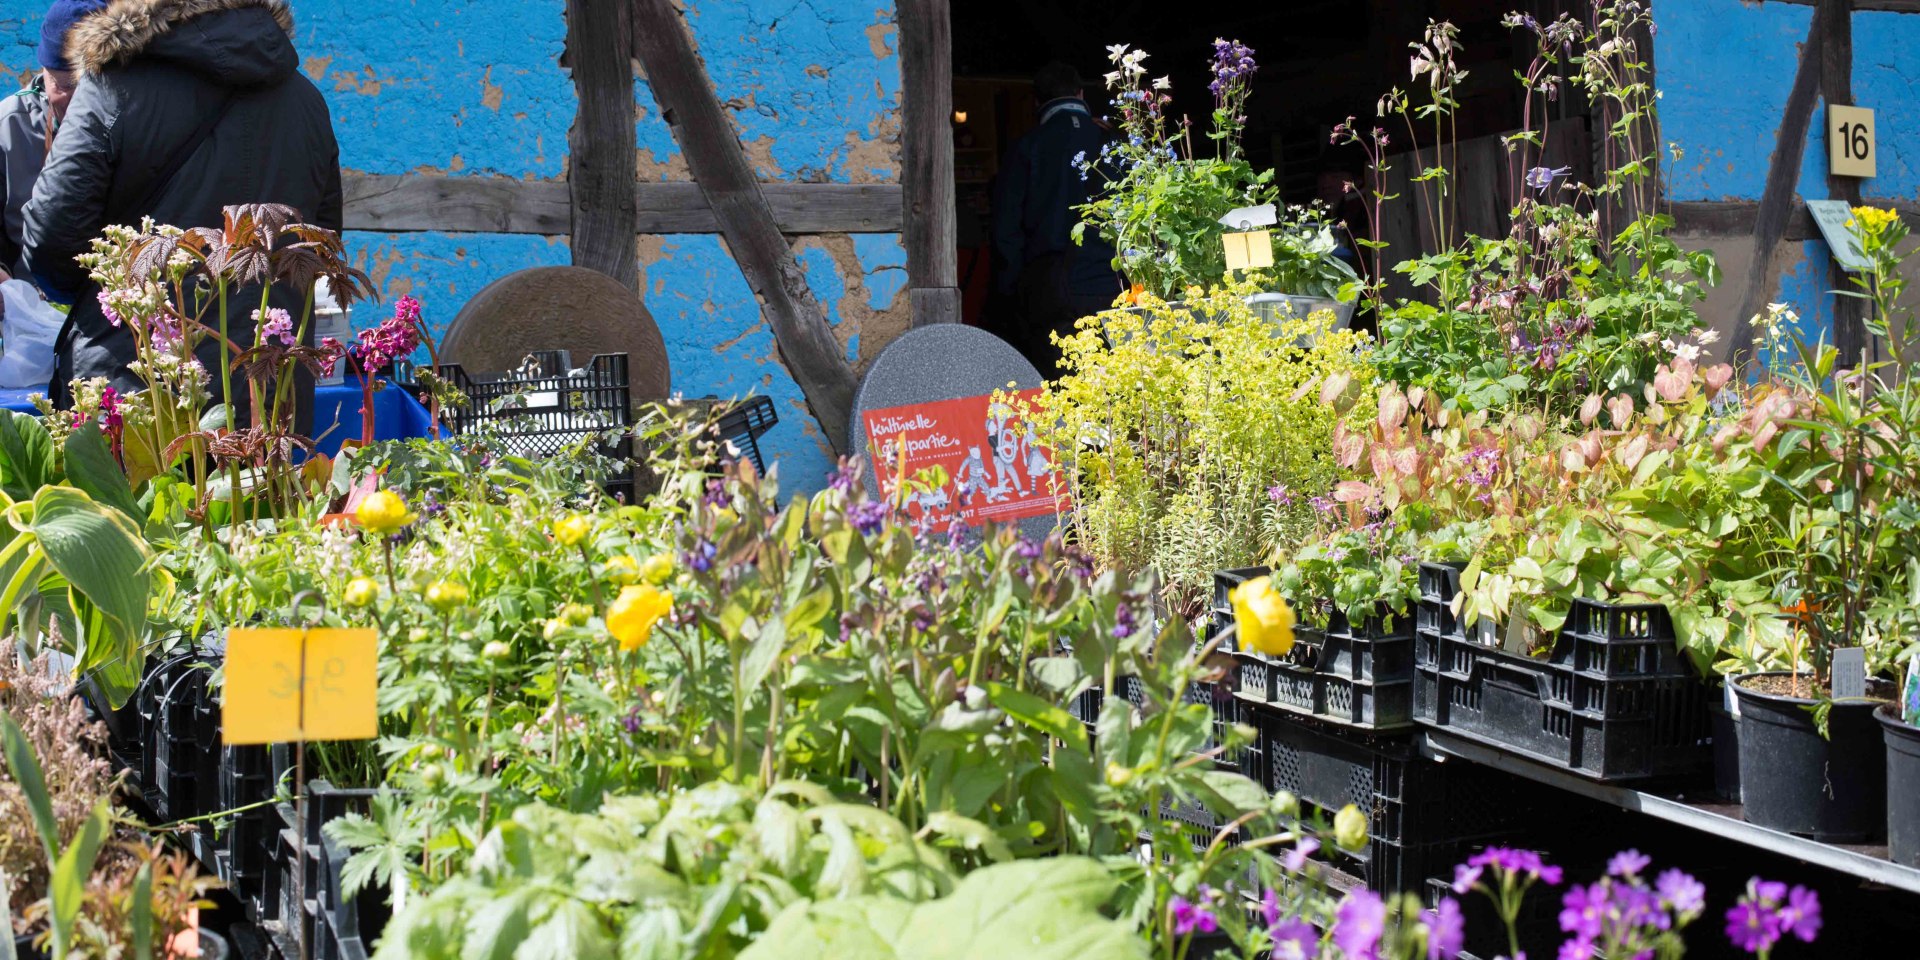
498	926
142	913
6	919
969	834
104	558
1039	714
68	886
782	833
91	467
760	657
655	933
26	455
809	610
1231	793
25	768
570	931
1058	674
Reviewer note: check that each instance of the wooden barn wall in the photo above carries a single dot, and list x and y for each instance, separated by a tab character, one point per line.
474	89
1745	84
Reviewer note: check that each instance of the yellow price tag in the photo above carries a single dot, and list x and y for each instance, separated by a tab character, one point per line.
1248	251
288	685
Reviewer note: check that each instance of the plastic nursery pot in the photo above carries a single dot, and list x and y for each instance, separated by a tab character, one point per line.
1726	753
1903	786
1832	789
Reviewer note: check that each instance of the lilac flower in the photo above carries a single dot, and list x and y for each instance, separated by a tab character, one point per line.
1278	493
869	517
1681	892
1541	178
1297	857
1627	863
1752	927
275	325
1801	915
1295	939
1446	930
1358	924
1583	911
1189	916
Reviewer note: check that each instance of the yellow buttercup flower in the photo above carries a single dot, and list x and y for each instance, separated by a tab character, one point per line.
631	617
1264	618
446	595
658	569
383	512
361	592
623	570
570	531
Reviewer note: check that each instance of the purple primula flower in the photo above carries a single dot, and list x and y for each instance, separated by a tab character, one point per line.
1628	863
1681	892
1465	876
1801	915
1190	917
1752	927
1516	861
1576	950
1028	548
1295	939
1358	924
1297	857
1446	930
1583	911
1270	907
1769	892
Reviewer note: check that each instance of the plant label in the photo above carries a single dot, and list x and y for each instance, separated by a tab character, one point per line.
289	685
1910	693
1850	143
1849	673
1832	217
1248	251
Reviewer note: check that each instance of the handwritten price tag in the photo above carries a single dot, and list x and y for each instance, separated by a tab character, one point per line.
287	685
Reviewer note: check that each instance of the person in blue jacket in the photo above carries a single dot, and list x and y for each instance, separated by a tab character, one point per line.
28	120
1041	183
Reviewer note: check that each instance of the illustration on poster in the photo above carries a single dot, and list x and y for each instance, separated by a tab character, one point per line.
1006	454
968	459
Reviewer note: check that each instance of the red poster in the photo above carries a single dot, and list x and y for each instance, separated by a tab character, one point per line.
968	459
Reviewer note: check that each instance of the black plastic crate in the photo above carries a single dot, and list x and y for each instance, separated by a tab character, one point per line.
1357	678
742	425
246	783
1227	711
1614	701
319	922
1538	924
1086	708
1421	815
179	772
558	408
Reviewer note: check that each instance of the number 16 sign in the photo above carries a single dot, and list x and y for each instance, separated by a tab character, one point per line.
1850	147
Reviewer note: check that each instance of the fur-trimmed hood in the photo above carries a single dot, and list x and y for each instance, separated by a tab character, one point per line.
128	28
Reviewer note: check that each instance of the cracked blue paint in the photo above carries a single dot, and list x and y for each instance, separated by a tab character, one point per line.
885	260
1724	68
829	288
444	270
1887	78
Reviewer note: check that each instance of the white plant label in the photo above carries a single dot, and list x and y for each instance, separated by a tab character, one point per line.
1849	673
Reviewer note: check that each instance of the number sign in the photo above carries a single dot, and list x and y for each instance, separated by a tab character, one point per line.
1850	144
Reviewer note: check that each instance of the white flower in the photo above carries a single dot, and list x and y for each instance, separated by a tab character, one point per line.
1116	51
1667	345
1163	83
1687	352
1707	337
1113	79
1133	58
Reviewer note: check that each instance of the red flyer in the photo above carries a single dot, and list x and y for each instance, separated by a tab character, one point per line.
970	459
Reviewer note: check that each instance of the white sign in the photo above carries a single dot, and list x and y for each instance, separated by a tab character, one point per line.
1832	217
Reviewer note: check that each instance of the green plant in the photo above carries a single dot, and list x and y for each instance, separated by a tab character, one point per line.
68	866
1193	437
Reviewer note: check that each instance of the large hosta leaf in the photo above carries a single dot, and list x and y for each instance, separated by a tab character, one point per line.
105	559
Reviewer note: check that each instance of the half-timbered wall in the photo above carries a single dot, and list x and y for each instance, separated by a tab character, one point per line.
454	119
1745	85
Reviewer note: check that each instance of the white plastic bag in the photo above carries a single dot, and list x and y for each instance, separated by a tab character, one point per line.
27	334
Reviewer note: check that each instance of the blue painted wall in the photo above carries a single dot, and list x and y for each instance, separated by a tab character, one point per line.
1724	68
474	88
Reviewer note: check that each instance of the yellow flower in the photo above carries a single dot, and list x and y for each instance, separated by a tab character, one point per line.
361	592
631	617
1265	620
446	595
1350	828
623	570
383	512
1874	220
658	569
569	532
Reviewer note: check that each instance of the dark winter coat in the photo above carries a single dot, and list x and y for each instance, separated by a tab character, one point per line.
25	125
152	72
1039	186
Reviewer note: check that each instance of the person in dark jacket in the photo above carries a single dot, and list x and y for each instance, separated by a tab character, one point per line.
184	107
1041	182
28	120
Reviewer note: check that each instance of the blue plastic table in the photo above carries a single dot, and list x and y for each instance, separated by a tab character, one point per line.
336	413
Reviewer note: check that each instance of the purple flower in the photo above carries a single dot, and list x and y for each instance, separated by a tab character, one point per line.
1583	911
1539	179
1123	622
1297	857
1769	892
869	517
1681	892
1028	548
1322	505
1358	923
1576	950
1515	861
1278	493
1296	939
1752	927
700	558
1465	876
275	326
1189	917
1627	863
842	480
1801	915
106	308
1446	930
1270	907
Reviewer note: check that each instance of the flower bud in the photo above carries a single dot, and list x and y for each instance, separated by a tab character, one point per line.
572	531
1350	828
361	592
497	650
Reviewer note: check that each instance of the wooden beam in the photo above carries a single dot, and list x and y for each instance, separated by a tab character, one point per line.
414	202
600	146
719	166
1858	6
926	159
1735	218
1836	86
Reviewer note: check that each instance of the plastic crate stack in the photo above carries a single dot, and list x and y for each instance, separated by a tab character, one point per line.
742	426
553	409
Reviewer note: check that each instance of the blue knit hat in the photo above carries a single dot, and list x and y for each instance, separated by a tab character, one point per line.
61	17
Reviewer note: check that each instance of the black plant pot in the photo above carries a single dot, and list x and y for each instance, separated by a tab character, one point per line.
24	949
1903	787
1832	789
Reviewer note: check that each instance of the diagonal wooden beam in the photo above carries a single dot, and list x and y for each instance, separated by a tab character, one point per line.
1783	173
926	158
718	164
600	147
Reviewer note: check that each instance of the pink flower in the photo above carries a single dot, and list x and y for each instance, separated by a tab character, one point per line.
277	326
